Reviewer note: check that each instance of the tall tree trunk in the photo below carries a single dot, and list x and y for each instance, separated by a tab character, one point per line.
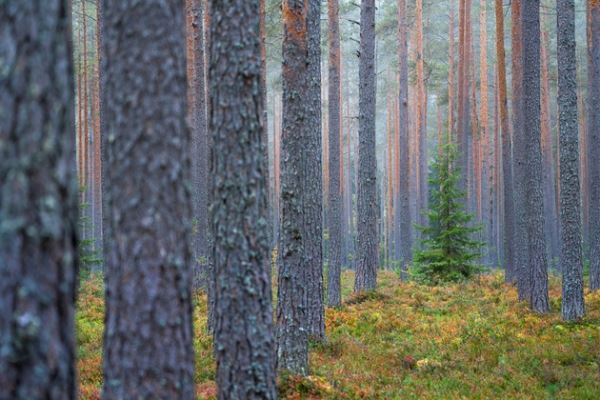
464	125
421	116
521	255
508	213
98	215
549	174
403	220
593	141
451	73
313	179
38	202
148	333
300	282
532	187
335	210
570	210
200	161
484	150
84	122
243	325
368	207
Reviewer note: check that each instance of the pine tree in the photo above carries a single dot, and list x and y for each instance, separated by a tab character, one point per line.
449	254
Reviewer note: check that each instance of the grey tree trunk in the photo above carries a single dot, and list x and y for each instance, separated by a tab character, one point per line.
534	196
402	217
312	184
148	349
594	140
200	155
244	342
368	207
38	202
521	255
334	296
300	282
508	215
570	199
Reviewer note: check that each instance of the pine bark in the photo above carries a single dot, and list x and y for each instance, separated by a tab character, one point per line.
508	210
97	109
532	182
549	173
368	207
403	220
38	202
300	269
521	255
148	349
484	150
334	207
243	325
593	139
200	148
570	200
464	122
421	116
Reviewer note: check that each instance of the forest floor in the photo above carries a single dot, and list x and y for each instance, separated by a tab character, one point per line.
405	341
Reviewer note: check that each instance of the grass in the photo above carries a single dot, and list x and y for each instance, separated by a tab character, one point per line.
406	341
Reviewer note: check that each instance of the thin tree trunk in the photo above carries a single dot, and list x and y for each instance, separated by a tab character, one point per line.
203	266
421	116
98	215
549	173
484	150
148	331
570	211
334	296
38	249
451	73
508	213
464	126
521	255
593	139
368	207
532	188
403	220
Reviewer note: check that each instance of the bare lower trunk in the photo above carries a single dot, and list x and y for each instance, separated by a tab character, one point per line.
334	199
368	207
570	210
243	324
532	182
148	332
594	139
38	202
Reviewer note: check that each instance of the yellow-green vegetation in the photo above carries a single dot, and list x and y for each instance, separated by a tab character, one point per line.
407	341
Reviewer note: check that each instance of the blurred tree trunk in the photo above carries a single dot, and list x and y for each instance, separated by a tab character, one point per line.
148	327
38	202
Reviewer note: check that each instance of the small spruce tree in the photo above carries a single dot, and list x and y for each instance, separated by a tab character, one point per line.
448	253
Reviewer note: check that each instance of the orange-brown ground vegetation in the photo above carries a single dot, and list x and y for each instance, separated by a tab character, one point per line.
406	341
